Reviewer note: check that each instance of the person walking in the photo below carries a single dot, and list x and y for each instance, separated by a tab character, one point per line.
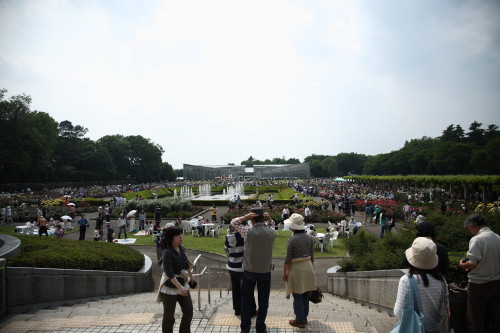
122	225
257	259
430	284
83	224
483	267
368	214
175	282
298	272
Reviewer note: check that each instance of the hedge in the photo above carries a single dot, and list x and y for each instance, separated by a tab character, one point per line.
51	252
369	252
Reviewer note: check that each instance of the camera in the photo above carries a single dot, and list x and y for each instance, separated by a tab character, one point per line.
465	260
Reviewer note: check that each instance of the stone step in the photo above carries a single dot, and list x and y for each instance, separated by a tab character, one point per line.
333	314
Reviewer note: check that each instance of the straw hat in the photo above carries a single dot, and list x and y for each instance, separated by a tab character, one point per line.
422	253
295	222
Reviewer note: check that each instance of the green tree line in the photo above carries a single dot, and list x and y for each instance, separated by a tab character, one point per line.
35	148
454	152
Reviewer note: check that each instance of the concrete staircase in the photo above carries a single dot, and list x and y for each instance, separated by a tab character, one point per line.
141	312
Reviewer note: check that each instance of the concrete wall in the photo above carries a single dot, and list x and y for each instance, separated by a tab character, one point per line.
29	285
377	288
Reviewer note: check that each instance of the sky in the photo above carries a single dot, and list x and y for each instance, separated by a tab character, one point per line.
214	82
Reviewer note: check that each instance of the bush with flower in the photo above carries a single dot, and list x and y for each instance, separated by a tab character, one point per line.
489	207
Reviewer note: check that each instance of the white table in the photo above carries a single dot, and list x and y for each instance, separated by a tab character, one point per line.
22	229
207	226
320	235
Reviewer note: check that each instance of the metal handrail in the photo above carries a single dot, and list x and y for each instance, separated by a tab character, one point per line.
206	269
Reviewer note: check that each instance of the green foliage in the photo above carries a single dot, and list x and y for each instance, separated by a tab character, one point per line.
166	205
368	252
251	161
148	194
50	252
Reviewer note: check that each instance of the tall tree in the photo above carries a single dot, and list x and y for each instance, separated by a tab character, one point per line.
27	141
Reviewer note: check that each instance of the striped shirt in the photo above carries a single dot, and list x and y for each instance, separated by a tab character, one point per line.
299	245
431	298
234	247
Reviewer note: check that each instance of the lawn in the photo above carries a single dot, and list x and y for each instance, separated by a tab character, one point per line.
10	230
216	245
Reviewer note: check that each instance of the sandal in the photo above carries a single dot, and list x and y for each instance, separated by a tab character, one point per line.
295	323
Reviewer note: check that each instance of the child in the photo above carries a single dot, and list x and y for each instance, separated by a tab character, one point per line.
96	234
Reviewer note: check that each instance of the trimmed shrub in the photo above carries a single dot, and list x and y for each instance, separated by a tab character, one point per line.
50	252
368	252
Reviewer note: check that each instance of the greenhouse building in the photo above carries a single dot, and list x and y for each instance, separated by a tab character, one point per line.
272	171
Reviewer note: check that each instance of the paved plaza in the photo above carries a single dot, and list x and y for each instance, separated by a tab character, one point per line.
139	313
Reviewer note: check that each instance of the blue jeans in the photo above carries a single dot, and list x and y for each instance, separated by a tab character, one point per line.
301	306
263	282
383	228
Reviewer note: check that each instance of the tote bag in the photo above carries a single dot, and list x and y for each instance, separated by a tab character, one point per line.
411	321
444	323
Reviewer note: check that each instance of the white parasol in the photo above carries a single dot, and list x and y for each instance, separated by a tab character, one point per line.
132	212
66	217
71	204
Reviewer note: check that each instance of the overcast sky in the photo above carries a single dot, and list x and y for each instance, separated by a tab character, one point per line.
214	82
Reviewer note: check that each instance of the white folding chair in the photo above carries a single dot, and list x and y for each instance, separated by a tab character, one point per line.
333	238
215	230
324	244
186	227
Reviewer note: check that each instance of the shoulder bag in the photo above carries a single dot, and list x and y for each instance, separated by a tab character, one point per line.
411	321
444	323
316	296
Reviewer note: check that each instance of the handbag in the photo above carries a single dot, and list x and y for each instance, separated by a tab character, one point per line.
411	321
444	323
316	296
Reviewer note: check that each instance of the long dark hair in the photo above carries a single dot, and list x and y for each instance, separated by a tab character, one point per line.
423	273
169	234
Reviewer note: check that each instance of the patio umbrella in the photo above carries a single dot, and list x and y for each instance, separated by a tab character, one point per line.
132	212
66	217
71	204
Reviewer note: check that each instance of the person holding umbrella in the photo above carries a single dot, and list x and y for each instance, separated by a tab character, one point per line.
131	216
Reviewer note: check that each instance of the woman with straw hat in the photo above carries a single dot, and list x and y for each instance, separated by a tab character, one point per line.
432	288
298	272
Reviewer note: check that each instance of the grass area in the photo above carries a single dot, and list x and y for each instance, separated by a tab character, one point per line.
10	230
216	245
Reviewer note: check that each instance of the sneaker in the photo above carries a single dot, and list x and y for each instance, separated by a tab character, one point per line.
295	323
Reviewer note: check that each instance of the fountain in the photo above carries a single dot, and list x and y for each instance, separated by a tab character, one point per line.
175	193
186	192
205	190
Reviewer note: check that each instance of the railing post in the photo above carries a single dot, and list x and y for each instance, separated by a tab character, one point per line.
199	297
208	275
220	283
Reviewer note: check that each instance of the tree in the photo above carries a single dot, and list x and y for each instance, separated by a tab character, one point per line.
476	133
330	167
167	172
27	141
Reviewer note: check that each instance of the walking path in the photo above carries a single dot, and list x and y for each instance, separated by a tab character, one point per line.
139	313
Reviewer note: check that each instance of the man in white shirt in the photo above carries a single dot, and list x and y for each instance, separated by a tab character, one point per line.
483	267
